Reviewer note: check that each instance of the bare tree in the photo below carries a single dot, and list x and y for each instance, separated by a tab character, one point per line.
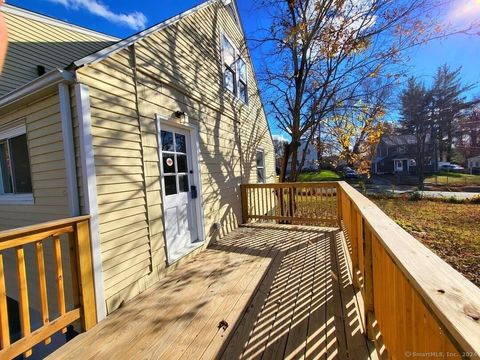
322	52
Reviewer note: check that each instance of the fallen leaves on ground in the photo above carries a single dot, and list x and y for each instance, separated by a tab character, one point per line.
452	231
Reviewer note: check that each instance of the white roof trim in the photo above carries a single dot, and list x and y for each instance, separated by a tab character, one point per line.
112	49
10	9
53	77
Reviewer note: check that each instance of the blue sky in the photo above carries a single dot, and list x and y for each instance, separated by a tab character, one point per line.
123	18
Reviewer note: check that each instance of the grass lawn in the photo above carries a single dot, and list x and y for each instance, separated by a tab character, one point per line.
323	175
452	178
452	231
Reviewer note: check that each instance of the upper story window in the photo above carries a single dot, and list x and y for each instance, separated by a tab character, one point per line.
260	166
15	176
234	70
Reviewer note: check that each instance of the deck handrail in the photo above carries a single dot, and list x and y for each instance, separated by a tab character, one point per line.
294	203
413	299
414	302
75	231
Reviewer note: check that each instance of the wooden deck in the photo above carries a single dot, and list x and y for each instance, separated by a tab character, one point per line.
261	292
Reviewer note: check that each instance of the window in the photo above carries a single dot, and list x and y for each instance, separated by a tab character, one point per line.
174	163
14	162
260	166
234	70
242	80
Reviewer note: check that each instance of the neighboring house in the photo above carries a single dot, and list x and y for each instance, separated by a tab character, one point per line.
311	157
150	135
473	163
396	154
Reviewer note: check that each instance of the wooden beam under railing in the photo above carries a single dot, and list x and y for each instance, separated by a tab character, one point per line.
75	231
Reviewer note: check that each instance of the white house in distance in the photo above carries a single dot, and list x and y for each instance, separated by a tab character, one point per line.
311	158
473	162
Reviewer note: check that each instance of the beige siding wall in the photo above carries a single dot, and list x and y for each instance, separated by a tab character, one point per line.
35	42
45	146
179	68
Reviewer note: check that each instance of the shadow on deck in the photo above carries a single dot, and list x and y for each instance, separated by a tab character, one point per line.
261	292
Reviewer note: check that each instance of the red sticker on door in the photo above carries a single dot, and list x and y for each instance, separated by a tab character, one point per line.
170	162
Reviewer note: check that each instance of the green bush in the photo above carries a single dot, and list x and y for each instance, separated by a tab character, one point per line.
416	196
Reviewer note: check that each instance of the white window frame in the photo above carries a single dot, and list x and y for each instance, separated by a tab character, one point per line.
9	132
261	167
236	75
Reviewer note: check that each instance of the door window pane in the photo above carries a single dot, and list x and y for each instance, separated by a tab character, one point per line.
21	165
180	145
183	183
170	185
168	163
167	141
182	163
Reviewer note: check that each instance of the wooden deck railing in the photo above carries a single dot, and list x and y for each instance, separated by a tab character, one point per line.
293	203
27	247
416	305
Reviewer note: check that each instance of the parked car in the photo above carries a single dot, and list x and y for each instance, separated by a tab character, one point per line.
452	168
349	173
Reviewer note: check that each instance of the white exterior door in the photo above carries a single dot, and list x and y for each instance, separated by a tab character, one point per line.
177	178
398	165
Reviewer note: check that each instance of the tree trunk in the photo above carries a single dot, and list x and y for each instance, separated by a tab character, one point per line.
293	163
286	156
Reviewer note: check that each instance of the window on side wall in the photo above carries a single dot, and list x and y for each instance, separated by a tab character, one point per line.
15	175
260	166
234	70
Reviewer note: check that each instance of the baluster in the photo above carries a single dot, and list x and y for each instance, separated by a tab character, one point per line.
59	271
73	269
263	200
23	296
4	330
42	285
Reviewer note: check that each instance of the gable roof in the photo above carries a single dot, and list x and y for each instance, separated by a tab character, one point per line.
125	43
38	44
395	140
19	11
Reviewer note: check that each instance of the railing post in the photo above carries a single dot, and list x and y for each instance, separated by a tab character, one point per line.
243	192
85	275
368	280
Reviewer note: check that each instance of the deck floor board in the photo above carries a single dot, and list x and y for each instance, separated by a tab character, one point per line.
284	291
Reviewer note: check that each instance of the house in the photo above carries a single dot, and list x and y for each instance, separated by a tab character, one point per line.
396	154
150	135
311	157
473	164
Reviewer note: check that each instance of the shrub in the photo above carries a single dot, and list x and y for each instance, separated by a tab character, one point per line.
475	200
415	196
